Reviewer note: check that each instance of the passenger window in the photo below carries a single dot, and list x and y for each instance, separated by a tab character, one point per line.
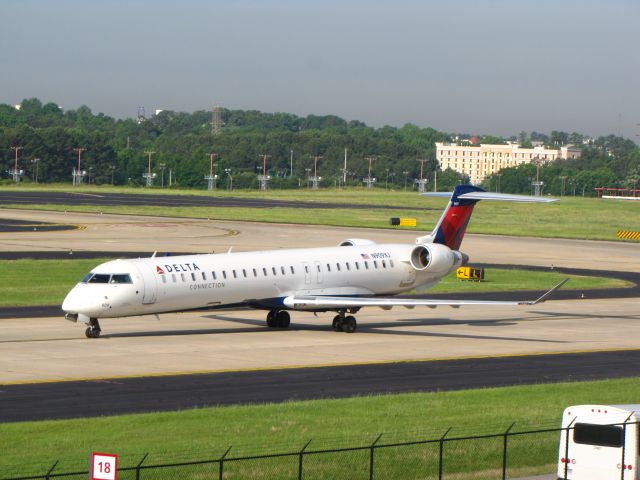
318	266
338	266
164	279
357	266
213	274
328	267
193	276
375	264
255	273
173	277
384	264
244	273
264	270
292	270
235	275
224	274
182	277
282	270
306	269
348	268
366	265
273	269
391	263
204	276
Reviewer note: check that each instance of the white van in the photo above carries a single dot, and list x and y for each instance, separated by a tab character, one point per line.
599	437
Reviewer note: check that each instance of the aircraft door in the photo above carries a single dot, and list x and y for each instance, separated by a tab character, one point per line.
318	266
150	287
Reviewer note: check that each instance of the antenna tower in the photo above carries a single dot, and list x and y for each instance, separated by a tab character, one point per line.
216	120
211	178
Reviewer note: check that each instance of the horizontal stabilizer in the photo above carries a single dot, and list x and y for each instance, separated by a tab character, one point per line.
506	197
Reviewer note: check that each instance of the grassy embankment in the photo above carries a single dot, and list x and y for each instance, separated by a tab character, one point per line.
21	281
206	433
572	217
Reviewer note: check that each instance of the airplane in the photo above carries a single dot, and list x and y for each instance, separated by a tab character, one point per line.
355	274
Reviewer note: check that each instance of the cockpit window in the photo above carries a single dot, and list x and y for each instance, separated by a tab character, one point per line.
100	278
86	278
120	278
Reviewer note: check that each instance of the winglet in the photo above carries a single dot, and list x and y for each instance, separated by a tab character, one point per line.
546	295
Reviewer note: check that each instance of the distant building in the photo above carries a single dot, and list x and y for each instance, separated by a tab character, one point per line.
477	162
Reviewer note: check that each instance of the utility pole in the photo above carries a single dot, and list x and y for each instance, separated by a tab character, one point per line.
211	178
315	180
264	178
564	179
421	182
78	175
149	177
537	184
344	170
369	181
291	164
15	173
35	161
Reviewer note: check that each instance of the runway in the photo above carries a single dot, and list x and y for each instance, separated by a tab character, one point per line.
153	394
182	350
202	200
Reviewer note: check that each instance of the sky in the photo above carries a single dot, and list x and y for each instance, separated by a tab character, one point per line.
474	66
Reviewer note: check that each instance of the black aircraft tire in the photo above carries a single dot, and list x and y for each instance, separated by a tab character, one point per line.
338	323
283	318
350	324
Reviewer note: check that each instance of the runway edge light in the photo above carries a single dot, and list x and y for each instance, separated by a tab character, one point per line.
104	466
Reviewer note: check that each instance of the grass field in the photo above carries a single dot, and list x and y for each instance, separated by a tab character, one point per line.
22	281
572	217
258	429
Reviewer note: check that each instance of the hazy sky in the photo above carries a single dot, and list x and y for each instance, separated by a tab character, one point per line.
477	66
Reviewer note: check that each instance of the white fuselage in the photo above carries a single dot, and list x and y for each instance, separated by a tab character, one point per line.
260	279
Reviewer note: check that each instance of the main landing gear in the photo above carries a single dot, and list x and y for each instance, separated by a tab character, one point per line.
93	330
278	319
346	324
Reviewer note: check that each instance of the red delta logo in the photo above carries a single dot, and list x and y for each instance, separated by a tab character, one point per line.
159	270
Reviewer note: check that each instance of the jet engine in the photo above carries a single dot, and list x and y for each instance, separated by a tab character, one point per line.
436	258
356	242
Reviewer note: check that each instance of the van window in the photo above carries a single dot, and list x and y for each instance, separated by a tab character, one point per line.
600	435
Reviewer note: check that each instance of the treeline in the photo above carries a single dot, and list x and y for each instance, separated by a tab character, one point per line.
115	149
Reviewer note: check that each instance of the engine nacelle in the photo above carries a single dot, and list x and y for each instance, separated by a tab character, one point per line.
356	242
435	258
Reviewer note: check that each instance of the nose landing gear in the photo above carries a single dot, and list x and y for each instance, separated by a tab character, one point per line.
93	330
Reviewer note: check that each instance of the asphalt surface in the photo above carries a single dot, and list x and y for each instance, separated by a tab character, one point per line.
7	225
110	199
152	394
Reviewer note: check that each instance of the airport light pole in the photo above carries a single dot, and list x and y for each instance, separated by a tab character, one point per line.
369	181
113	169
162	167
211	178
422	182
149	177
78	175
406	175
315	180
228	172
35	162
15	173
264	178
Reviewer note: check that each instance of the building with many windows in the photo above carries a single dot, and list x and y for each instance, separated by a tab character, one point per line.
477	162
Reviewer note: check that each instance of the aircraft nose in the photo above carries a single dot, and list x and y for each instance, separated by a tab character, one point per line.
73	302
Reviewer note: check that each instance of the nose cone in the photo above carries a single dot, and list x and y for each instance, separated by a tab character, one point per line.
73	302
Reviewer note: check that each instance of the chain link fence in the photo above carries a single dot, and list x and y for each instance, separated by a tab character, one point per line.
503	455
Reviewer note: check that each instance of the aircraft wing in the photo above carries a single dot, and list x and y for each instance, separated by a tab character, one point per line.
310	302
